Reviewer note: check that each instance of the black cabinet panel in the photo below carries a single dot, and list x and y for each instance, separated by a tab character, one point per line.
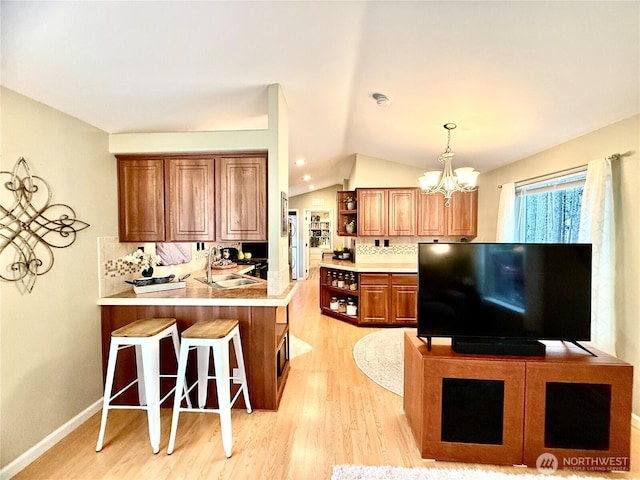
472	411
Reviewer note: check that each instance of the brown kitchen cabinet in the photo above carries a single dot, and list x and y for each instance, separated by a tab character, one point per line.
388	299
404	299
459	219
383	299
387	211
241	198
189	199
462	218
141	199
166	198
374	298
192	197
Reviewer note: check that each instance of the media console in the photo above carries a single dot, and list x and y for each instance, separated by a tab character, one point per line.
510	410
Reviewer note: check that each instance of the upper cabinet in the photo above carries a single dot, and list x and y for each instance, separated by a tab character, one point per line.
391	212
372	211
141	199
432	215
462	218
387	211
459	219
347	208
191	197
242	198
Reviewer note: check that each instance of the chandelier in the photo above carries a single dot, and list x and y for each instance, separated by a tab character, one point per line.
449	180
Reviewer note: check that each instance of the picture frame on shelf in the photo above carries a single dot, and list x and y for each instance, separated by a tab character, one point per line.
284	214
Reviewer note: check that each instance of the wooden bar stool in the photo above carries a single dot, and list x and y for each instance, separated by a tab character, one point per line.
145	336
205	336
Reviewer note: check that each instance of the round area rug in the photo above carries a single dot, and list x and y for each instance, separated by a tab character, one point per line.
380	356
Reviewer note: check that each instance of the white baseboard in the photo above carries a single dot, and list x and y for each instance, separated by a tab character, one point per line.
49	441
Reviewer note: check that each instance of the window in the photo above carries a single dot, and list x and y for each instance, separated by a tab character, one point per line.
549	209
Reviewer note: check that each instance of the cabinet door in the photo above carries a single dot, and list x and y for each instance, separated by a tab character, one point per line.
190	201
432	215
372	212
241	193
374	298
463	214
404	299
140	199
402	211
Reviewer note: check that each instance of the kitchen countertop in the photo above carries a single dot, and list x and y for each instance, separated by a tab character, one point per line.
197	293
369	267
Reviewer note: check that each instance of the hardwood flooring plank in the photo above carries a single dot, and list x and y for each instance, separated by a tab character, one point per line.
330	414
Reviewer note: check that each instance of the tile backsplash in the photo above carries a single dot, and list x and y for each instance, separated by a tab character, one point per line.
113	270
400	249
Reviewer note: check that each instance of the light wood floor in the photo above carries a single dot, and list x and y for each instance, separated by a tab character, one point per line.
330	414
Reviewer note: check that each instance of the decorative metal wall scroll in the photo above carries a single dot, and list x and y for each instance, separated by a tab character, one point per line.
30	226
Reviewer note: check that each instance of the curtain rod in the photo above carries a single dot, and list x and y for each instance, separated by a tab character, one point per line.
613	156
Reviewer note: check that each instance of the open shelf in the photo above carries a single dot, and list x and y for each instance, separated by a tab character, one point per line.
346	215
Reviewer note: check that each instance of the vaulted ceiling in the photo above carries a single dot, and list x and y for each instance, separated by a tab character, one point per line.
516	77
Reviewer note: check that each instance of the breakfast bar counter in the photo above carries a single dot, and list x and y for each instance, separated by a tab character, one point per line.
197	293
264	331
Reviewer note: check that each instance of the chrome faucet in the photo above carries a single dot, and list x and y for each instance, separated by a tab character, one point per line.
212	249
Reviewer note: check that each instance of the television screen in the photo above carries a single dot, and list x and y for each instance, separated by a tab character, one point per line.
504	291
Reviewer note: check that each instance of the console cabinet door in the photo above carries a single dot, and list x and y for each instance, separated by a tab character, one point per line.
190	201
463	214
241	194
140	199
432	215
402	211
372	212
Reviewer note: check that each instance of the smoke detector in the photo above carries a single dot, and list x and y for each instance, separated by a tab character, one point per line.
381	99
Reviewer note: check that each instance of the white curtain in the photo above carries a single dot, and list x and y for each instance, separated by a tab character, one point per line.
597	228
506	231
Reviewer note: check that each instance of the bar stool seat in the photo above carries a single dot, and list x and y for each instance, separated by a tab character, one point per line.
206	336
145	336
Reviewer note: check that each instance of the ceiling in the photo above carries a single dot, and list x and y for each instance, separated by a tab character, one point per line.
516	77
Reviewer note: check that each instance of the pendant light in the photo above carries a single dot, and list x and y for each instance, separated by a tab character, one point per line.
448	180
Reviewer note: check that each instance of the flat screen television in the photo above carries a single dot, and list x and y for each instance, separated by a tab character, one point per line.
502	298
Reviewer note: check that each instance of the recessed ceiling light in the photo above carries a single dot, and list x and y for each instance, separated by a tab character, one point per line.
300	161
306	177
311	187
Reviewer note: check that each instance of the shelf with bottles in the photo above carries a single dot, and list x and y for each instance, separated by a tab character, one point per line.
340	281
343	306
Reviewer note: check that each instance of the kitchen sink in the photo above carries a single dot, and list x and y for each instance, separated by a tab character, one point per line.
228	280
237	282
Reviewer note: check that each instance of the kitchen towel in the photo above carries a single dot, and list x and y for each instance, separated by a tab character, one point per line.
174	253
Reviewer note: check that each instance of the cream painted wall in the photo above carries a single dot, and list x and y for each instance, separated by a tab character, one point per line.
375	172
50	348
620	137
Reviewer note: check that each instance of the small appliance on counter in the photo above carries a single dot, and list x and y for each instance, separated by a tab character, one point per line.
258	253
342	254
